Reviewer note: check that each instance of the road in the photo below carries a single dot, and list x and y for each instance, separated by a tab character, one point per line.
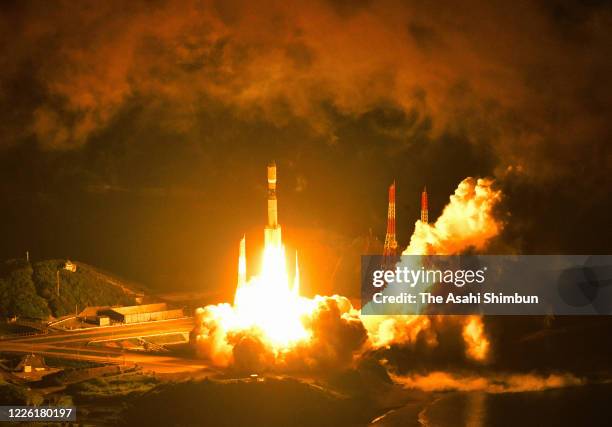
75	345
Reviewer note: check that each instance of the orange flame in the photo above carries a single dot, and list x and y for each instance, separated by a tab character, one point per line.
268	303
475	339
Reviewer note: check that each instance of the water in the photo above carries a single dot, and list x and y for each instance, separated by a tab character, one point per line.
573	406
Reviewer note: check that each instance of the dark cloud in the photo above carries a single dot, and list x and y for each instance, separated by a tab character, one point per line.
152	121
424	36
542	68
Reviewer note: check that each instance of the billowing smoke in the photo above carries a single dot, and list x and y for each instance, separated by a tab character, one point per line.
210	334
467	221
401	329
88	65
338	335
477	344
423	342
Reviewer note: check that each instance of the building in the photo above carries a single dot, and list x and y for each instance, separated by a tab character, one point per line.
102	320
141	313
31	363
70	266
90	315
92	311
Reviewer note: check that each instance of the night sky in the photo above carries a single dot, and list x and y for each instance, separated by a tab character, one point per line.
134	135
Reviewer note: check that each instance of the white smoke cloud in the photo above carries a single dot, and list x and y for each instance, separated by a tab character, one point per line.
467	221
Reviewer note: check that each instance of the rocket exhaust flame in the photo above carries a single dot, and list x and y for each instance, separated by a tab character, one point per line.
267	302
267	306
270	326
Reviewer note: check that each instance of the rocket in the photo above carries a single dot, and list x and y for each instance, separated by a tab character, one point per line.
272	206
272	232
424	210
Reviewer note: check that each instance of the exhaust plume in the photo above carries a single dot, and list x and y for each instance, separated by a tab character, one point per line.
283	331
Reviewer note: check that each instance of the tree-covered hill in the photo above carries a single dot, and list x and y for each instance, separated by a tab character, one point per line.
31	289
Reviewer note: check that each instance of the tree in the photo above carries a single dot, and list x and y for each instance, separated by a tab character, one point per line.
19	296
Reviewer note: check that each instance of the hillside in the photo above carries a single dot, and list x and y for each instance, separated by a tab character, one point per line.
31	289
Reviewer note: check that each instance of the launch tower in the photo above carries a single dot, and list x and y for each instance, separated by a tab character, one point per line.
424	210
390	249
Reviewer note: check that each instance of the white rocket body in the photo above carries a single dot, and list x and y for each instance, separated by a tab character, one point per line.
272	232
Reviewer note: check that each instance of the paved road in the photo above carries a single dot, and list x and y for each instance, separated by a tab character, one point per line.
110	332
74	345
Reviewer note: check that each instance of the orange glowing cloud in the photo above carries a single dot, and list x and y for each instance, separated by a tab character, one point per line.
445	381
283	60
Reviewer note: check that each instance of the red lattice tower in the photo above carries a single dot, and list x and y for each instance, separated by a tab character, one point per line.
424	207
390	249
